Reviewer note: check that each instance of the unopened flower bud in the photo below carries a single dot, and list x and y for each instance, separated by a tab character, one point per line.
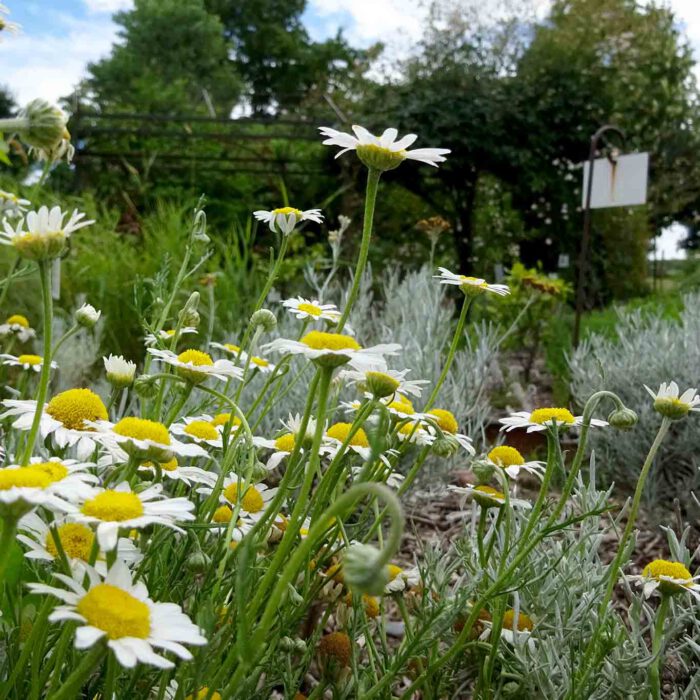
265	319
45	128
362	571
198	562
623	418
189	317
381	384
445	446
146	386
87	316
120	372
483	470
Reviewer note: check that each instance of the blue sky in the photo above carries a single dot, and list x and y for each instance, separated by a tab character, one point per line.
58	38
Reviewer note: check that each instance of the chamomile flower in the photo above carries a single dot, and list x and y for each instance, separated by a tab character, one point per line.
447	423
77	540
338	433
111	510
221	517
42	234
188	475
120	610
487	496
471	285
200	429
285	219
413	432
667	577
253	500
70	478
284	444
12	206
512	462
26	362
401	579
385	384
381	152
542	418
259	363
68	418
517	628
197	366
335	349
167	335
311	309
24	488
144	439
18	326
669	402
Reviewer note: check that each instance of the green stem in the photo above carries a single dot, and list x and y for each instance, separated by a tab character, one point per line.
466	303
45	276
6	282
370	201
110	677
657	647
76	680
7	539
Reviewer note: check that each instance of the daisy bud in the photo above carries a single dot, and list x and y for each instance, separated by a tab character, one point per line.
87	316
361	570
146	386
483	470
623	418
45	128
198	562
265	319
189	317
380	384
445	446
120	372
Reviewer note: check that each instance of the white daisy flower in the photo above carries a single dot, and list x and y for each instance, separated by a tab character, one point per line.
413	432
12	206
201	429
283	445
87	316
120	610
667	577
669	402
68	417
512	462
166	335
384	383
260	363
196	366
401	579
121	508
285	219
515	629
18	326
311	309
77	541
471	284
487	496
335	349
447	423
70	478
144	439
221	517
253	501
120	372
336	435
188	475
382	151
541	418
26	362
24	488
390	477
42	234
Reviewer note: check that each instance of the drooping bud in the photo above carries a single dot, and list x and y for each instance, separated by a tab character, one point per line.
189	317
362	571
265	319
623	418
146	386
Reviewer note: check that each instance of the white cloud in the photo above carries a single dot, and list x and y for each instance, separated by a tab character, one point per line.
111	6
49	66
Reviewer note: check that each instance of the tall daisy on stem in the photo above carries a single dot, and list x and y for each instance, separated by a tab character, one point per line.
379	154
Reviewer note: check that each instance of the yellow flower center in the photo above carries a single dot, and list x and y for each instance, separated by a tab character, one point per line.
505	456
525	623
54	470
473	281
115	612
23	477
169	466
285	443
30	360
232	348
318	340
202	429
394	571
222	515
224	418
445	420
402	407
75	406
195	357
287	211
114	506
490	492
18	320
546	415
143	429
335	647
310	309
203	693
340	432
260	361
409	429
169	333
672	569
76	540
252	501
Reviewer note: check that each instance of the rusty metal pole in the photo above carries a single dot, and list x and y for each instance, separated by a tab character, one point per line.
586	239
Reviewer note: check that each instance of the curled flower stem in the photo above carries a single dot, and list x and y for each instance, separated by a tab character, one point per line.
657	647
45	277
466	303
373	176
